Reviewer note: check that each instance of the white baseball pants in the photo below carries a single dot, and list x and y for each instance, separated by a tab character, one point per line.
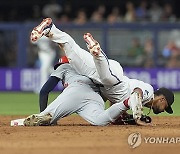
102	70
81	99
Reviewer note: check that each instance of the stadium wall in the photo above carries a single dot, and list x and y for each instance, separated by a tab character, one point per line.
29	79
114	40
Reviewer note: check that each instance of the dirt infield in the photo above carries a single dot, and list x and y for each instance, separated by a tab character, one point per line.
74	135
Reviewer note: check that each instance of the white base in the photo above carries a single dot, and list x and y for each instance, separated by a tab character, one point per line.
17	122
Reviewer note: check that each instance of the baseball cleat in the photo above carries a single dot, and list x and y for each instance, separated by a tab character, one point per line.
92	44
135	103
38	120
42	29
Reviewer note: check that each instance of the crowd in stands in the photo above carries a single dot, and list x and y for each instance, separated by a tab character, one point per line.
145	11
64	11
142	54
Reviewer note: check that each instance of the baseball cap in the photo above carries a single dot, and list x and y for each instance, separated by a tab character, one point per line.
168	94
62	60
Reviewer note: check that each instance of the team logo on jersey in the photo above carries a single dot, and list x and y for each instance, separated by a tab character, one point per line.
146	93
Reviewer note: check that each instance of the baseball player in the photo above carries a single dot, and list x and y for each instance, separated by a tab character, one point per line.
115	86
49	85
46	54
80	96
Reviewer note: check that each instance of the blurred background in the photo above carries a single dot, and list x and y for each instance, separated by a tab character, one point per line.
144	36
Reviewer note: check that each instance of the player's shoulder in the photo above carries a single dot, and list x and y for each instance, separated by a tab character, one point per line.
147	86
63	68
143	85
148	91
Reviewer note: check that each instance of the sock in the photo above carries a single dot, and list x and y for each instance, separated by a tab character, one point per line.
126	103
116	110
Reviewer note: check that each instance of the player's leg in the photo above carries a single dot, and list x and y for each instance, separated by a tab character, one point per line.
65	104
94	113
49	115
110	71
93	110
79	58
68	102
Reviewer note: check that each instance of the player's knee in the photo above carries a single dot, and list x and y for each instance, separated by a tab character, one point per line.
100	123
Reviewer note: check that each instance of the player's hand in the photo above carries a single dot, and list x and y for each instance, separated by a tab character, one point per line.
143	123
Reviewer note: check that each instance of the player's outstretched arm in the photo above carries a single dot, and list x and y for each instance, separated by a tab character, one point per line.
45	90
135	103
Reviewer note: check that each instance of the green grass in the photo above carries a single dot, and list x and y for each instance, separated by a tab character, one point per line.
21	103
27	103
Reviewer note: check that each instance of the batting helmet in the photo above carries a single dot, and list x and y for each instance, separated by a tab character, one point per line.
62	60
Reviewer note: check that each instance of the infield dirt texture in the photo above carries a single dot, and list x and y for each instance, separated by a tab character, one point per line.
75	136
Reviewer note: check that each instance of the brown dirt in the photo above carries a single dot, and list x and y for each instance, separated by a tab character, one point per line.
74	135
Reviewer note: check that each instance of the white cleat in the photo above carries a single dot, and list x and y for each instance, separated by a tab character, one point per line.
135	103
92	44
42	29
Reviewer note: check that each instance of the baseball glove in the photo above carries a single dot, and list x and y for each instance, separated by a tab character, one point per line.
127	119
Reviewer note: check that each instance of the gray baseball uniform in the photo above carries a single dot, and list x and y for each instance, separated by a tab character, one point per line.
81	97
117	87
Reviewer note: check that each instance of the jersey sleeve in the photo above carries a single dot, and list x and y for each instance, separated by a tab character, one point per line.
147	89
59	72
148	93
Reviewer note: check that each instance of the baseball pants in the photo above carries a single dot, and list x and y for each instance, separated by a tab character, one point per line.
81	99
101	70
